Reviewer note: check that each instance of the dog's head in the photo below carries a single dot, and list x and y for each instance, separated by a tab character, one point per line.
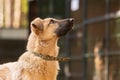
50	28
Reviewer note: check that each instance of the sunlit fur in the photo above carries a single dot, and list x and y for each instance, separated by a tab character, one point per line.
29	66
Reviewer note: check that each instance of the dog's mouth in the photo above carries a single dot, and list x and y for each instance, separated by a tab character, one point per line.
64	27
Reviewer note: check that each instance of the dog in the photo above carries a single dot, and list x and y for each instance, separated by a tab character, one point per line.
40	61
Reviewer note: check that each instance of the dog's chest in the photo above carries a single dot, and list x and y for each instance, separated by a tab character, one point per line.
42	71
35	68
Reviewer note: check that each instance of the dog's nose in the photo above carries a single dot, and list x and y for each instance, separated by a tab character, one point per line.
71	19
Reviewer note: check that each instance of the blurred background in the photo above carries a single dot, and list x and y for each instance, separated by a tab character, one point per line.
93	45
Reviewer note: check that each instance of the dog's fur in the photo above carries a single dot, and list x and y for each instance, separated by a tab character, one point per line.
43	39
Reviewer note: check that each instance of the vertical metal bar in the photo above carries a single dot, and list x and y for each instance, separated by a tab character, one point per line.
67	41
67	8
84	39
51	7
107	41
40	4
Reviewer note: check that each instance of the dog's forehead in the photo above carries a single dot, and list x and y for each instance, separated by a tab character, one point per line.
48	19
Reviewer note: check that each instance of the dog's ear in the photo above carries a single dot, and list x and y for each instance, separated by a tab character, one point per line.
37	26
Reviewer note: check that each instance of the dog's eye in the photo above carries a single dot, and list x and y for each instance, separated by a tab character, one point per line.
52	21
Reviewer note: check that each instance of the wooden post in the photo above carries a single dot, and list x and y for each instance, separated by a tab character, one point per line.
17	13
7	15
1	13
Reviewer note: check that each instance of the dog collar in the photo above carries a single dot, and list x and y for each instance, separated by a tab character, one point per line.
51	58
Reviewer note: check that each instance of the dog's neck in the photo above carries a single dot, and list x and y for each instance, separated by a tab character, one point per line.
45	47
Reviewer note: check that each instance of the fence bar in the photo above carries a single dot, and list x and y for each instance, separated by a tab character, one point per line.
107	16
107	41
84	39
67	41
91	55
67	8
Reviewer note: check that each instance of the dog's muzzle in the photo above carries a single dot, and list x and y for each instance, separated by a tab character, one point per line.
64	27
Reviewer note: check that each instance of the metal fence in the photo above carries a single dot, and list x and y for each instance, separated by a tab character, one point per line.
107	57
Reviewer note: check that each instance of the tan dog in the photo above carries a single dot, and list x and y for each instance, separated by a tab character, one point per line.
39	62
